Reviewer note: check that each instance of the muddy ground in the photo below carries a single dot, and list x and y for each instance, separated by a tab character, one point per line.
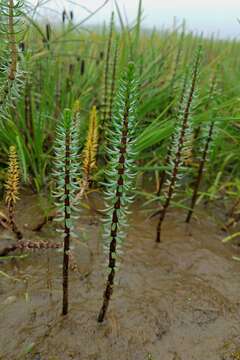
176	301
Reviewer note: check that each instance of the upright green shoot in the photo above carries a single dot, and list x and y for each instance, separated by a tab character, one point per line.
66	174
181	143
120	175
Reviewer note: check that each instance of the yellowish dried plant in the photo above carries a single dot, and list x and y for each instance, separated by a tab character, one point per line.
12	188
91	146
13	178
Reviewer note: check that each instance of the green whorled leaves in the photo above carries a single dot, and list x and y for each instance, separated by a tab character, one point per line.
11	61
66	160
181	149
208	117
210	129
120	175
120	171
181	144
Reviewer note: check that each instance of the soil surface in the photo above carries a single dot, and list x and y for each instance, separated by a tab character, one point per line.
179	300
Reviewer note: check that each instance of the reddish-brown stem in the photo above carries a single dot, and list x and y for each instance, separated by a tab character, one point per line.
200	172
169	152
163	173
12	223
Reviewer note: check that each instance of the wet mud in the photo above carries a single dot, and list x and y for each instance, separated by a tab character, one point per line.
179	300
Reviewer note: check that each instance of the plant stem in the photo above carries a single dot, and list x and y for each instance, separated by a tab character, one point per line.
163	173
12	223
113	83
170	147
12	43
200	172
114	226
67	229
110	281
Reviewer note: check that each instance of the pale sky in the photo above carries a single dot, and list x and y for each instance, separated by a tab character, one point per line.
218	16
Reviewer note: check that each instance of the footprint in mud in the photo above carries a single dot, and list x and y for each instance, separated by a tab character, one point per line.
37	357
162	324
205	316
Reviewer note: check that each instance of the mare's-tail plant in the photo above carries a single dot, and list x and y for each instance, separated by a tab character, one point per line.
177	60
120	174
66	174
171	143
106	101
200	170
12	189
11	76
181	142
208	136
113	82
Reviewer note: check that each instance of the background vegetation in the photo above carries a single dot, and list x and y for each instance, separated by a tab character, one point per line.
66	65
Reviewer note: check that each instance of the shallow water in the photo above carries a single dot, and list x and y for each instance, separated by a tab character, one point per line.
175	301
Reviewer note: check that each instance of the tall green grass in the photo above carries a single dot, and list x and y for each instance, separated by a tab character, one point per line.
72	63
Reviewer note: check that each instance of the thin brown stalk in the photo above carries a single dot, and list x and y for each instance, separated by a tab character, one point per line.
66	227
106	74
200	172
12	42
